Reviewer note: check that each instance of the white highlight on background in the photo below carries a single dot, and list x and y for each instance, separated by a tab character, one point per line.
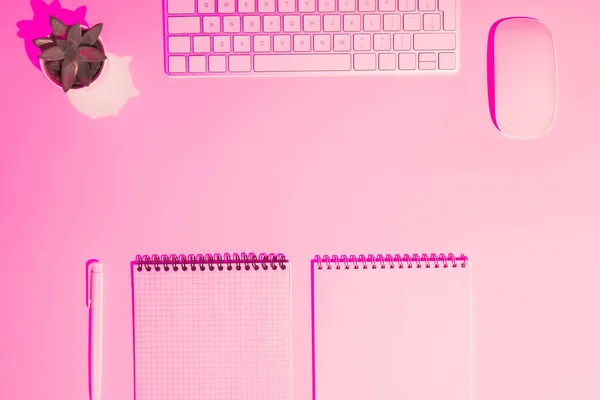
109	93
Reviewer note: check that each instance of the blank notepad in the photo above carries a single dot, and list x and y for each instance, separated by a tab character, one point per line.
392	328
212	327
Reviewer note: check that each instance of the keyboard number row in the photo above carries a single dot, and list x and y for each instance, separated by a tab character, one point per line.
250	6
308	23
306	43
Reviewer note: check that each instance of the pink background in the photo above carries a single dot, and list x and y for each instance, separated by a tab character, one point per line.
301	166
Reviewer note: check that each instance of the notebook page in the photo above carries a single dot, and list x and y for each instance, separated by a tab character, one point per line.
214	335
383	334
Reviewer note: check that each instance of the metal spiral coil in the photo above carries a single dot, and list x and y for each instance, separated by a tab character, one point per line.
380	261
211	262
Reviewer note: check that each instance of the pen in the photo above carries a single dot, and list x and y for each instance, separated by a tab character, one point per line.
94	303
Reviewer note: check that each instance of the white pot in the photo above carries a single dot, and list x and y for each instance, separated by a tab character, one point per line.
44	67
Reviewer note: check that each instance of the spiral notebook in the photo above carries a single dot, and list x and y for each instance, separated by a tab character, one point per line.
212	327
391	327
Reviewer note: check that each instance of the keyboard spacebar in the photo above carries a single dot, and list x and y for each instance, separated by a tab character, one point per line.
301	62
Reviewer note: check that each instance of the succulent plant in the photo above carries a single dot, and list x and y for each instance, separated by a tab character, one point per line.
76	54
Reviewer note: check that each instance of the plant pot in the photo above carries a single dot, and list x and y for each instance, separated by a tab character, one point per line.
51	69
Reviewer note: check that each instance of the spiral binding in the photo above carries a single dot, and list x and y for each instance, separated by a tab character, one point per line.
379	261
211	262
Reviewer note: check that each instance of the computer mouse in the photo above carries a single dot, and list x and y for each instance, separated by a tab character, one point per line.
522	77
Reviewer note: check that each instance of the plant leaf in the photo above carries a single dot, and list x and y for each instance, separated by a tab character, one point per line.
84	73
91	54
68	74
92	35
74	35
59	29
52	54
39	42
63	45
72	54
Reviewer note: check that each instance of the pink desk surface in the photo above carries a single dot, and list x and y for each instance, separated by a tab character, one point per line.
301	166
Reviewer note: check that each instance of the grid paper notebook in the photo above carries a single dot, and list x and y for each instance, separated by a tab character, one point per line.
212	327
392	327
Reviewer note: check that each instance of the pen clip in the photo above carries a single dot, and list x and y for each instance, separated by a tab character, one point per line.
89	285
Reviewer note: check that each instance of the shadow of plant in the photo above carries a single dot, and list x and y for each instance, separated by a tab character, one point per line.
39	26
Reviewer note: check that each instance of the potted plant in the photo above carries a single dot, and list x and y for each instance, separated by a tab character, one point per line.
73	56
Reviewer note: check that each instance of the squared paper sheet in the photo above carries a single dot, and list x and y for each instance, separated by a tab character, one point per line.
392	334
212	335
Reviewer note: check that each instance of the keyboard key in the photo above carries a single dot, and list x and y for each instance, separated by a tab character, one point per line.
407	61
291	23
216	63
387	62
179	44
201	44
206	6
372	23
382	42
312	23
352	23
241	44
184	25
181	6
262	44
251	23
282	43
326	5
366	5
432	22
286	6
387	5
341	42
301	43
231	24
347	5
427	5
212	24
406	5
434	41
272	23
448	9
246	6
197	63
412	22
265	6
427	57
447	61
362	42
240	63
365	62
177	64
222	44
427	65
226	6
391	22
332	23
302	62
401	41
307	5
322	43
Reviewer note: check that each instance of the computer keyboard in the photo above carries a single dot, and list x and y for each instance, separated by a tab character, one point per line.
300	37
